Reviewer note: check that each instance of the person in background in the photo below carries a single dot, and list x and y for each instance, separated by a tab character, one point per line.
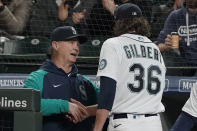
188	117
14	15
160	14
78	14
100	21
132	75
102	15
68	99
145	6
49	14
184	22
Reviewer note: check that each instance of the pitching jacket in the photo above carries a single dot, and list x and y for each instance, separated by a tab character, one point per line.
56	88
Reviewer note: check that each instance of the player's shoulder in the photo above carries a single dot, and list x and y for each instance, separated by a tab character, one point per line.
110	43
114	40
111	40
136	37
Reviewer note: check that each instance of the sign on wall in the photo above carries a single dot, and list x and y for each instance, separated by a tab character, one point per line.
172	83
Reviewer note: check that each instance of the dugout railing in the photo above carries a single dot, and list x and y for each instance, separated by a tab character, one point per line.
20	109
176	92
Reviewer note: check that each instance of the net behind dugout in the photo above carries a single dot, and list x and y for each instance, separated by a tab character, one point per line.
32	47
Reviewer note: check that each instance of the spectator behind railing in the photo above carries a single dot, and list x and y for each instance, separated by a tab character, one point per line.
145	5
49	14
14	15
160	13
184	22
101	22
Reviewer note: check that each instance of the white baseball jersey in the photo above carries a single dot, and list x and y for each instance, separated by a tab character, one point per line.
137	66
191	104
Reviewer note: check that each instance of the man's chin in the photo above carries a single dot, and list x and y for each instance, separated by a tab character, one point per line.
73	61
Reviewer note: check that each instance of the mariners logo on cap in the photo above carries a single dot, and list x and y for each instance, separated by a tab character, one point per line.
134	13
74	31
102	64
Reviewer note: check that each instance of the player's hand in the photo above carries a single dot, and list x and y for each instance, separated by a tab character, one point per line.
63	10
78	16
81	105
77	112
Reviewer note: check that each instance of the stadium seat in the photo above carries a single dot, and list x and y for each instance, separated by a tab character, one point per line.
92	47
28	45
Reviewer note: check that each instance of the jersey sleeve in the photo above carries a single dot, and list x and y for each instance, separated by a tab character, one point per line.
48	106
107	93
109	61
191	104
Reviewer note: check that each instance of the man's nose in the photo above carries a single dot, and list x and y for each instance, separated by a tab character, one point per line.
76	45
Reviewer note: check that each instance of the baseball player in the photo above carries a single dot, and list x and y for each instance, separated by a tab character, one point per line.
188	117
132	76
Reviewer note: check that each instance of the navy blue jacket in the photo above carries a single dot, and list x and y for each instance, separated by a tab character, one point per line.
56	88
176	22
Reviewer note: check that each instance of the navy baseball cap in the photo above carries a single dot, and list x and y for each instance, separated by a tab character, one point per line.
66	33
127	10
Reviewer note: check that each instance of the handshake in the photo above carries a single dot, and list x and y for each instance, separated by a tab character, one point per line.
77	112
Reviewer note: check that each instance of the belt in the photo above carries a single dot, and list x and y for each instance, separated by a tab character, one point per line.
124	115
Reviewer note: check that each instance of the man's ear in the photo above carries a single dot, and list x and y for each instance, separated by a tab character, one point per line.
55	45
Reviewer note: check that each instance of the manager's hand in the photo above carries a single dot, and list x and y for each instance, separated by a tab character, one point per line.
77	111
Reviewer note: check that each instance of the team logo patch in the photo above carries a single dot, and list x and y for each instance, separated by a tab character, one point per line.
140	38
102	64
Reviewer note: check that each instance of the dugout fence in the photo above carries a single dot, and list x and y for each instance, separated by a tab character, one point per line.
20	110
176	92
26	51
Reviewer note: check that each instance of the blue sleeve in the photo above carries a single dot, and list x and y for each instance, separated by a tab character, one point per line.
169	26
107	93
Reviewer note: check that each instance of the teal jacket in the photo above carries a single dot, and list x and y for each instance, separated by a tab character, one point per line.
56	88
